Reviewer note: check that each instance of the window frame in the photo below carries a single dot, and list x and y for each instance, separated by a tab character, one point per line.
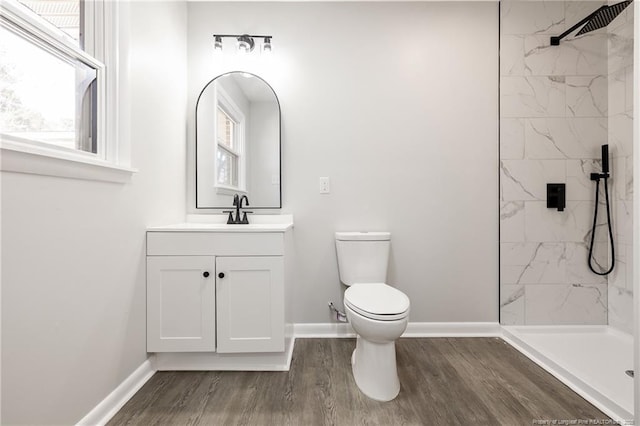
229	107
221	146
30	156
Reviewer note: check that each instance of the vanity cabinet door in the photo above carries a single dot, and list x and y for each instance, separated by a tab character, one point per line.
181	309
250	304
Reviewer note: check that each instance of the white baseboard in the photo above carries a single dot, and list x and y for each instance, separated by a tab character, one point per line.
324	330
453	329
414	329
108	407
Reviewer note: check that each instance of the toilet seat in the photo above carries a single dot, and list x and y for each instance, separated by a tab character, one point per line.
377	301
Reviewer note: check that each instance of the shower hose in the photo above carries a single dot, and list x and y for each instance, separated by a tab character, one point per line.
593	230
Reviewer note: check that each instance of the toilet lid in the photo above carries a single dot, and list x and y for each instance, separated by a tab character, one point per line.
377	300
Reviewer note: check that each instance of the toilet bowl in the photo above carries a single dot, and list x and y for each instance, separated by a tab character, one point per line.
374	360
377	312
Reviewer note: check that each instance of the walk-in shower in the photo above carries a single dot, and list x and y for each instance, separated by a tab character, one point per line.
566	89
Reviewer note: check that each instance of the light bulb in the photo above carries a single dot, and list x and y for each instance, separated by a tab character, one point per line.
245	44
217	44
266	46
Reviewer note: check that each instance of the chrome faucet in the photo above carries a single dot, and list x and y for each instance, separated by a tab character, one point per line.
237	202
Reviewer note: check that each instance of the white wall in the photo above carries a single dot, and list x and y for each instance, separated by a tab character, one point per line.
397	104
73	265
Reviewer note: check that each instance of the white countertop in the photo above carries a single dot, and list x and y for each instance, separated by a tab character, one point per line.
217	223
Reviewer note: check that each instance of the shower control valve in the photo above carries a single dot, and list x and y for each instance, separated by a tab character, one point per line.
556	198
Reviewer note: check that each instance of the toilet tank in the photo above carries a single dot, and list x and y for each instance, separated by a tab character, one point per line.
363	257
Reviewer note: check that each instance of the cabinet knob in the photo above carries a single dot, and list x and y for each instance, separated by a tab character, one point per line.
205	274
221	275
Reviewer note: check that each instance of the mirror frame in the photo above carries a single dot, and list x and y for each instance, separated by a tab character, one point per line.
279	206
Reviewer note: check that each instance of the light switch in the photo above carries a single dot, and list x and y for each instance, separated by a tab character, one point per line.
325	186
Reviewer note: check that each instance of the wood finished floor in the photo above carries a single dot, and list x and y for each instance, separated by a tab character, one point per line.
444	381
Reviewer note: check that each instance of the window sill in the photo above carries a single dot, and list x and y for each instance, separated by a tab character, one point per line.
20	158
227	190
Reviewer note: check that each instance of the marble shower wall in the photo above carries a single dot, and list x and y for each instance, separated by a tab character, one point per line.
554	116
620	115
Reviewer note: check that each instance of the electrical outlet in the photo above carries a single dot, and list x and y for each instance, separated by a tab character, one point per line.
325	187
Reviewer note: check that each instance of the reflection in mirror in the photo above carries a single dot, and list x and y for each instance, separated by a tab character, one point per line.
237	142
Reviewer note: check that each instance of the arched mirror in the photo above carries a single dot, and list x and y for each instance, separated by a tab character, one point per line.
238	143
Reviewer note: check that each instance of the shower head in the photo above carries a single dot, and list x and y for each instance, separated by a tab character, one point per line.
601	17
605	159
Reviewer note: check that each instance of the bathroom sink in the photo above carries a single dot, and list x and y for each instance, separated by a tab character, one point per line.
214	223
223	227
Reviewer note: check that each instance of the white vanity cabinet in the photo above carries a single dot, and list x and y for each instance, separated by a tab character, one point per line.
216	293
250	304
181	308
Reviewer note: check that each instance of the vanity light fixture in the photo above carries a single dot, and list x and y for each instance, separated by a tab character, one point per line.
245	42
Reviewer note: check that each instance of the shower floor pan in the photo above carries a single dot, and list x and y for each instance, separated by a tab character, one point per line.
591	360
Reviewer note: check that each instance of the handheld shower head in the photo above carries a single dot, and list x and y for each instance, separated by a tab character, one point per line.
605	159
604	174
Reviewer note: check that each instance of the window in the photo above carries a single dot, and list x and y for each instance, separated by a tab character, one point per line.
226	157
229	149
48	98
65	15
53	81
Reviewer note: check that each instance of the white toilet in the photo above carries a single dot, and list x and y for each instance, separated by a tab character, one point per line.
377	312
